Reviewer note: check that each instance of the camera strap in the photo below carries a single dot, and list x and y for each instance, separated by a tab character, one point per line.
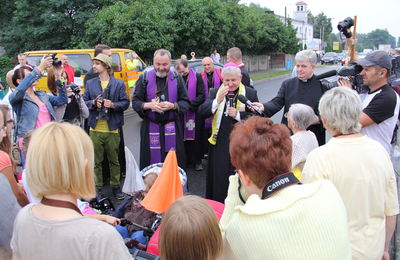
60	204
279	183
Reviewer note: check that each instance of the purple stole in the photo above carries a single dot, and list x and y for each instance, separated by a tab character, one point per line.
154	128
189	118
217	83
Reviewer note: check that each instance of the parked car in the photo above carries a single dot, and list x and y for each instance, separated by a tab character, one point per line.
342	58
330	58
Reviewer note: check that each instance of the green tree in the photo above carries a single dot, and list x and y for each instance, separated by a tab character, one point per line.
372	39
322	25
50	24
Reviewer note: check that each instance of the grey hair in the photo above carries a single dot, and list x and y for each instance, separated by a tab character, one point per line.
306	55
231	70
301	115
162	52
341	109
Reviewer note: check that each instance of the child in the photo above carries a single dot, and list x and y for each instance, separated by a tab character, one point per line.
190	231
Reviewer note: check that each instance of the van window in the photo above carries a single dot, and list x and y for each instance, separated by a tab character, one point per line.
80	62
116	62
140	66
34	60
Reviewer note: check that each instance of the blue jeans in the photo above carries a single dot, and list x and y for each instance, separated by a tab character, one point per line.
138	235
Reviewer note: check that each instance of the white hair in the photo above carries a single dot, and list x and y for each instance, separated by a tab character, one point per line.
306	55
162	52
341	109
301	115
231	71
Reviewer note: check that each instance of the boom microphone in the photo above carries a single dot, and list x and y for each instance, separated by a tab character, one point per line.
327	74
246	101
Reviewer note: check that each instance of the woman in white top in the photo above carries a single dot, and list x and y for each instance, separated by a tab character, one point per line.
60	163
300	117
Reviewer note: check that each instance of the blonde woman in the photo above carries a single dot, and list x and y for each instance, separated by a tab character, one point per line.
60	163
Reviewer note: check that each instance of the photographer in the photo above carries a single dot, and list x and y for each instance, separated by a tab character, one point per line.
33	108
106	98
380	104
75	110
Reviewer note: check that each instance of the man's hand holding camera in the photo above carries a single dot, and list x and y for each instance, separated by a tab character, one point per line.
108	103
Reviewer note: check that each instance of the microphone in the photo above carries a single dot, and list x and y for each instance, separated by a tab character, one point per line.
326	74
246	101
231	96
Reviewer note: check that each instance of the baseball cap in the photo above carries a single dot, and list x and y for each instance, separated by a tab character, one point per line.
379	58
105	59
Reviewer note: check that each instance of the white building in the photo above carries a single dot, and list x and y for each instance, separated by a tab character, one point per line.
305	30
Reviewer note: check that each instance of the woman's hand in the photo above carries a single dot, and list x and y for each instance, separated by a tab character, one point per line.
45	63
111	220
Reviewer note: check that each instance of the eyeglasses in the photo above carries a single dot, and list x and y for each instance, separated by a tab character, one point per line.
10	121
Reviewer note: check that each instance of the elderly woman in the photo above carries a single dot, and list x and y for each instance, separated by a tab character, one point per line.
300	117
33	108
362	172
60	163
281	218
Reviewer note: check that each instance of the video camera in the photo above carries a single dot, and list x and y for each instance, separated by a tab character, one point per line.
344	27
352	72
55	62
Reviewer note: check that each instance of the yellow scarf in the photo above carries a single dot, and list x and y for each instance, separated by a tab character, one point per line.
216	122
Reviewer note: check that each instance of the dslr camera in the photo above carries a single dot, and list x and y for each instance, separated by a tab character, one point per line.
103	111
344	27
56	63
75	88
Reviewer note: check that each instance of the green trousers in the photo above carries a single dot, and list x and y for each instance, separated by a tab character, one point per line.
108	142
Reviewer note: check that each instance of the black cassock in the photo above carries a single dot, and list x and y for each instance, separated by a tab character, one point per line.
193	148
219	162
139	98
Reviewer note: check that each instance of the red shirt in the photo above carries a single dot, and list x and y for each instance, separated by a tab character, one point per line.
70	72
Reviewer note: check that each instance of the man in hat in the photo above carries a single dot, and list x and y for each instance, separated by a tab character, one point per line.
380	104
161	99
106	98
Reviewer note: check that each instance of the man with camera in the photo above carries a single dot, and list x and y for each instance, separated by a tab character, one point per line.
106	98
380	104
161	99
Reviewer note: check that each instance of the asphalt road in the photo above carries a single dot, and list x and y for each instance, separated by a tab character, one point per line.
267	89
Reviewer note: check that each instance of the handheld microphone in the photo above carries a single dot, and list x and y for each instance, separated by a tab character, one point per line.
246	101
326	74
231	96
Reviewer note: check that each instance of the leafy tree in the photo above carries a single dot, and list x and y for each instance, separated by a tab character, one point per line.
50	24
372	39
322	25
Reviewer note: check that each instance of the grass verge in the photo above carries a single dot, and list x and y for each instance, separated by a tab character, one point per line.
271	74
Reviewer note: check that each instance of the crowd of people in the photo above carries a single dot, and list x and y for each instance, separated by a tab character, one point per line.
288	193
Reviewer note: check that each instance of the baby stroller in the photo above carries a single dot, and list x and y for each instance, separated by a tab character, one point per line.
140	220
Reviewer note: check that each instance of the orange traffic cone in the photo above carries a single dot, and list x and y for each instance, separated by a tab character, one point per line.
167	188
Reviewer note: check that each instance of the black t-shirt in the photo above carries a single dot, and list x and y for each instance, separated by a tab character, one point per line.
382	104
72	110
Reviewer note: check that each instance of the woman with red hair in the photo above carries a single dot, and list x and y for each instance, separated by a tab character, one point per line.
268	213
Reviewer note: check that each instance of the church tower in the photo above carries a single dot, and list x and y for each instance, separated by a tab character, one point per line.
301	12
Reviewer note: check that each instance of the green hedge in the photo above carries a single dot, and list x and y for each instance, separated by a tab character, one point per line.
5	66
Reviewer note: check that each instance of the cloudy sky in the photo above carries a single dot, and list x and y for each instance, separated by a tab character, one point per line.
371	15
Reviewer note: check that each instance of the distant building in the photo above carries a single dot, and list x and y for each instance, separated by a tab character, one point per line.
305	31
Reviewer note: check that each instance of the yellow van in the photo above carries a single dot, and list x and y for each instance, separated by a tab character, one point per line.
81	60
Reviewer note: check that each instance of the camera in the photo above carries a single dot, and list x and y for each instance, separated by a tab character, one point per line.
75	88
353	73
103	111
344	27
55	62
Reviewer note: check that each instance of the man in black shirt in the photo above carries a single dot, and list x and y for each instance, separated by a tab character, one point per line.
304	89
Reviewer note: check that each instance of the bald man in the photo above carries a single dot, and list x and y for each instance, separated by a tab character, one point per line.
68	68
